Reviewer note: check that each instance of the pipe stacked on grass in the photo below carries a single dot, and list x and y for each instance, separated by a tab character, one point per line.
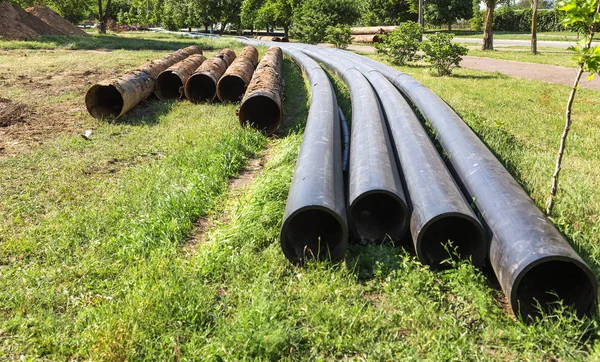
369	30
115	97
233	83
202	85
378	208
531	258
314	223
261	107
170	82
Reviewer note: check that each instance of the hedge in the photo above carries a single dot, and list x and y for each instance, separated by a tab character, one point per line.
509	19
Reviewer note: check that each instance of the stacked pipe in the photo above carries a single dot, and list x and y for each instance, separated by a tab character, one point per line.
314	223
370	34
170	82
202	85
261	106
115	97
532	260
232	85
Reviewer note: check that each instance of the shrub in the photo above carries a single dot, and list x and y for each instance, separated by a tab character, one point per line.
402	44
312	18
442	53
340	36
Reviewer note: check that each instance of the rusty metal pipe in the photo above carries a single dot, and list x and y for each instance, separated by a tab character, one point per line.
115	97
202	85
367	30
233	83
371	38
170	82
261	107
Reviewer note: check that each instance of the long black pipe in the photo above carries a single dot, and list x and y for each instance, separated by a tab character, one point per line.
531	258
314	224
378	207
439	210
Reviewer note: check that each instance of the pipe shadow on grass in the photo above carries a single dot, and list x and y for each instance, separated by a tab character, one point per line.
147	113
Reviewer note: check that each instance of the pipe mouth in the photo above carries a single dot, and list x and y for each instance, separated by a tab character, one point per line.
455	236
550	280
104	101
231	89
200	88
313	232
379	214
261	112
168	85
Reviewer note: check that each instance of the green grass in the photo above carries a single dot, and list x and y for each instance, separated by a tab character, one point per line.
95	262
512	35
127	41
549	56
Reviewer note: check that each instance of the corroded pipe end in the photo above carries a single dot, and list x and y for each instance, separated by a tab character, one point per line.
261	107
451	235
377	215
104	101
262	111
313	233
231	88
168	86
546	281
200	87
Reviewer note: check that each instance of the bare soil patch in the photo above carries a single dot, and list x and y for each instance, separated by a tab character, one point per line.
54	20
11	112
18	24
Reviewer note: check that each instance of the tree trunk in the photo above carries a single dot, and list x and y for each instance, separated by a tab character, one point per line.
286	30
449	27
102	24
488	31
534	5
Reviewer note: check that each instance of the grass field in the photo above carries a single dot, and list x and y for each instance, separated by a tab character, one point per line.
551	56
103	255
512	35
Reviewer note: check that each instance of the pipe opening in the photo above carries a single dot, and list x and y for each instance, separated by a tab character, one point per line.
261	112
200	88
453	237
310	234
551	281
104	101
231	89
168	85
378	215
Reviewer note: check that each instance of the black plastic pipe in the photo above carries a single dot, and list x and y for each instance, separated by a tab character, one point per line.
534	263
378	207
440	212
314	224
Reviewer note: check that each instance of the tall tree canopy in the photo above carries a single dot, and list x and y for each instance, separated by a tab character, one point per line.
446	12
389	12
312	17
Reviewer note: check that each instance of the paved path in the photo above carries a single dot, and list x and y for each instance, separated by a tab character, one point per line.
541	72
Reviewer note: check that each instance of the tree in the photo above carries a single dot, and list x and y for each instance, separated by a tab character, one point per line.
534	7
312	18
389	12
445	12
103	17
488	31
584	17
249	12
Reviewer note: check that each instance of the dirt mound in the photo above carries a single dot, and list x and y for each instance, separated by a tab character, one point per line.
11	113
54	20
18	24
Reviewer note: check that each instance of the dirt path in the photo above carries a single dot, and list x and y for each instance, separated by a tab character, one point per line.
541	72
